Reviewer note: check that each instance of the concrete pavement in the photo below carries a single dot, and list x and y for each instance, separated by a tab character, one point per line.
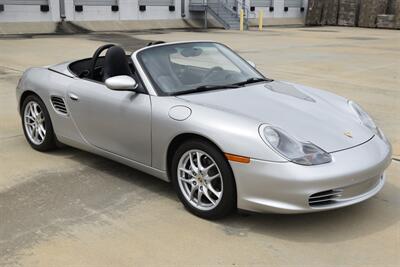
71	208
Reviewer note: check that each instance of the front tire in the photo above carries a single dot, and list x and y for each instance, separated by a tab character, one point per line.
203	180
36	124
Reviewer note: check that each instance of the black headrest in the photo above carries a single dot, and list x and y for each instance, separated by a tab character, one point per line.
116	63
155	43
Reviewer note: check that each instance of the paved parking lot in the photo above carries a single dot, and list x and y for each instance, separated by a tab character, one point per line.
72	208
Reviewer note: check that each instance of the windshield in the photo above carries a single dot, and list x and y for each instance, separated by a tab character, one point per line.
191	67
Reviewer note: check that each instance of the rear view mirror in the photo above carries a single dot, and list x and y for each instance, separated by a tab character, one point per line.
122	82
251	63
191	52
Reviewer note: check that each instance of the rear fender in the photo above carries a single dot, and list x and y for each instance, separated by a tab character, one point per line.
47	83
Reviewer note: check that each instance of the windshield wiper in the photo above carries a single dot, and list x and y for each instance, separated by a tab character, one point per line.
253	80
204	88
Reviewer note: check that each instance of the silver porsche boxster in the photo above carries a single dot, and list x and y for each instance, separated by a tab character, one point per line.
200	116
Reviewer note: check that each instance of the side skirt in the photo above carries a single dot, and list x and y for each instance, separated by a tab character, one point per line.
131	163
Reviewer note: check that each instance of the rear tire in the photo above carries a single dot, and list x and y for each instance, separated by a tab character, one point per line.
36	123
207	189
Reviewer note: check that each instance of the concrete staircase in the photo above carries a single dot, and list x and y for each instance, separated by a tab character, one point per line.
220	10
226	16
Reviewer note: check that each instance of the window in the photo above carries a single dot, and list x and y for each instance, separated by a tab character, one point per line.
175	68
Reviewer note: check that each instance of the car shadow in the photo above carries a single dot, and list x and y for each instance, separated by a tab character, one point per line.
117	170
347	223
363	219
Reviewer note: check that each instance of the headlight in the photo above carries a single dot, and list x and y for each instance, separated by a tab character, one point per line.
363	116
366	120
292	149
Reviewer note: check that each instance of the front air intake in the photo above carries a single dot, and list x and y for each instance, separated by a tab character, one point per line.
324	198
59	105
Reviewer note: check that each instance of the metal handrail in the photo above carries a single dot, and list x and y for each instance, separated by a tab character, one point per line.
241	4
247	8
220	6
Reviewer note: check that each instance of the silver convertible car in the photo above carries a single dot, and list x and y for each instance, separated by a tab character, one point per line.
200	116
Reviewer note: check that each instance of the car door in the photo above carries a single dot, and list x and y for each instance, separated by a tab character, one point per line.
115	121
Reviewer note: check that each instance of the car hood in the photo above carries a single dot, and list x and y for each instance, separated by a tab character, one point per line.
307	114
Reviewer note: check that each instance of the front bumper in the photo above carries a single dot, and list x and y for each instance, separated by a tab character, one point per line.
354	175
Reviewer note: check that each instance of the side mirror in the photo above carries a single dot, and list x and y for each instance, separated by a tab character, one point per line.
251	63
122	82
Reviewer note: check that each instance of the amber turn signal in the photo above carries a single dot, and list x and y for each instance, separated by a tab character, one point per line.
237	158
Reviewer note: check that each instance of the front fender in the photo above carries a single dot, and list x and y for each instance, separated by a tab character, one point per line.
232	133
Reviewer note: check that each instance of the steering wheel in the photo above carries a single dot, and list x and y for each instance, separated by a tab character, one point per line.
95	58
211	71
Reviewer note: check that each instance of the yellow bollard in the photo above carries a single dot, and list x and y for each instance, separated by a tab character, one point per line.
260	20
241	19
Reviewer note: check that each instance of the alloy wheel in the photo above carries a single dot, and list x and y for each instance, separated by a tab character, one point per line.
34	122
200	179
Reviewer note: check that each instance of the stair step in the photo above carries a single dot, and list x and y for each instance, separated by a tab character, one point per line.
229	18
227	15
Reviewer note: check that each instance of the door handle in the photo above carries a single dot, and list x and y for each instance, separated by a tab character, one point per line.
73	97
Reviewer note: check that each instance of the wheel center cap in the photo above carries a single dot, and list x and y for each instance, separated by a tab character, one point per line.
199	178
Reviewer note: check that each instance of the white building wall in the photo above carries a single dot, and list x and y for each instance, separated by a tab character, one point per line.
158	12
128	10
89	13
279	12
14	13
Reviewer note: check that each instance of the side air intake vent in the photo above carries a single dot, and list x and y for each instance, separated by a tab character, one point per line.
324	198
59	105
